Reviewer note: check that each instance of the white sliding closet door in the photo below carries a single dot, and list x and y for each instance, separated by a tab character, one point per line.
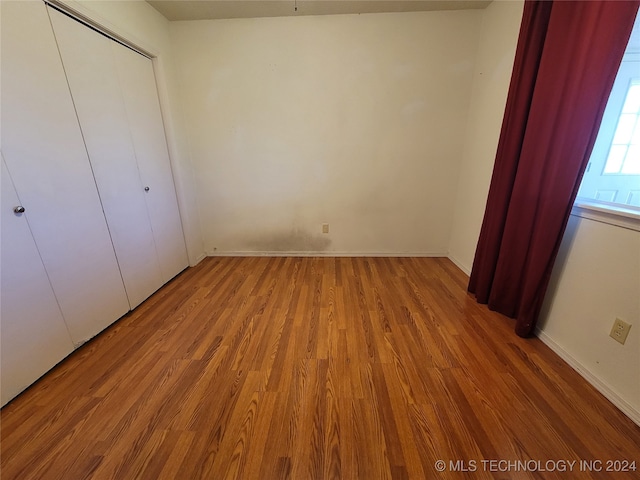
90	67
138	84
33	335
46	157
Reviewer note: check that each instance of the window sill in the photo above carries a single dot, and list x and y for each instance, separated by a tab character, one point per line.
610	213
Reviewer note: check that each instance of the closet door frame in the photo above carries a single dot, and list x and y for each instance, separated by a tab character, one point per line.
95	21
92	76
115	96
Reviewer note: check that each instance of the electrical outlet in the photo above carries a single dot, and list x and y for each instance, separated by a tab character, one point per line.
620	330
325	228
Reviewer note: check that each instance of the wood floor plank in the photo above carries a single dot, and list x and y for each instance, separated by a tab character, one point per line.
311	368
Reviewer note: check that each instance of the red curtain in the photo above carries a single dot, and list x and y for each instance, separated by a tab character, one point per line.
566	61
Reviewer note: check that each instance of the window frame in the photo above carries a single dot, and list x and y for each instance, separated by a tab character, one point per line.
605	212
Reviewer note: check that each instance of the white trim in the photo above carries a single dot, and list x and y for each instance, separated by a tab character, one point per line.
322	253
610	213
94	21
459	264
200	257
606	390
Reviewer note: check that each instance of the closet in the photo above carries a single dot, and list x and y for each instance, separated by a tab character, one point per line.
85	156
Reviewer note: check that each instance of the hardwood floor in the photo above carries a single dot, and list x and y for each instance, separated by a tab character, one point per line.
314	368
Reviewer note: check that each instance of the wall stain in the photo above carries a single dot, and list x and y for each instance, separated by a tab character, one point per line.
295	240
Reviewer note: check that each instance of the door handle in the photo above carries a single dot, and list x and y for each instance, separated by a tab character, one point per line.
18	210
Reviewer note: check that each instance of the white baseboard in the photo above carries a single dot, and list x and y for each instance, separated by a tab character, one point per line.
597	383
199	258
459	264
323	254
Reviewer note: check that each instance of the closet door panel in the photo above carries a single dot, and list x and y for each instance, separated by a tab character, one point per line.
91	72
44	151
139	89
33	334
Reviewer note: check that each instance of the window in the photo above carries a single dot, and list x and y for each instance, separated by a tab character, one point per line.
624	154
612	178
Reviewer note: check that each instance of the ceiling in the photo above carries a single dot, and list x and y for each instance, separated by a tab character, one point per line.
217	9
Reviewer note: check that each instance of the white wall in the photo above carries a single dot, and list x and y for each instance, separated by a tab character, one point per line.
351	120
496	50
597	275
144	27
596	279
